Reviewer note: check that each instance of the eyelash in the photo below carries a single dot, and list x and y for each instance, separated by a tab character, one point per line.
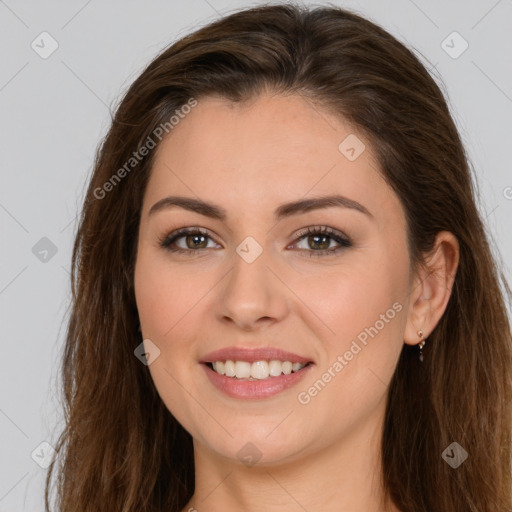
344	242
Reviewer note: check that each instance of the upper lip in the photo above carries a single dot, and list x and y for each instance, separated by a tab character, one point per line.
253	354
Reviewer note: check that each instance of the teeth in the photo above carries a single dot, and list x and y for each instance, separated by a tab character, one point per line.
274	368
229	369
258	370
242	370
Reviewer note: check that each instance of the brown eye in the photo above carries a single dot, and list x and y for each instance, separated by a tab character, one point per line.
194	239
319	239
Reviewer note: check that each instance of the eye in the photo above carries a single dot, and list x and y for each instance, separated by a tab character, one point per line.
196	239
321	238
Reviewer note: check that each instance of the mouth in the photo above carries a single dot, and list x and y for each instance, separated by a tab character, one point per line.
246	387
256	370
254	373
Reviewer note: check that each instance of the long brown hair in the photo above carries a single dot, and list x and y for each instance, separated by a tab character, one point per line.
121	449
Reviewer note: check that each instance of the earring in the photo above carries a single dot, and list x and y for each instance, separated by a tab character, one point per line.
421	344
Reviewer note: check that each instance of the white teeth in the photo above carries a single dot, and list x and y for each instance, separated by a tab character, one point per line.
229	369
258	370
287	367
296	367
242	369
274	368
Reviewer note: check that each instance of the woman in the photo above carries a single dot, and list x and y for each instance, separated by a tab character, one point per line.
283	292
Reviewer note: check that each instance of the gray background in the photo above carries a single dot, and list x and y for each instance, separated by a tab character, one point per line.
55	110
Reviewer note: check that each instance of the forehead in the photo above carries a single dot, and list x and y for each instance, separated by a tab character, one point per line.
269	150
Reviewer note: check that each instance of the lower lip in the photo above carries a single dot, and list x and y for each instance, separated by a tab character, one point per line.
254	389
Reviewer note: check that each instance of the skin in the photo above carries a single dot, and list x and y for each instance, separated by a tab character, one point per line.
249	159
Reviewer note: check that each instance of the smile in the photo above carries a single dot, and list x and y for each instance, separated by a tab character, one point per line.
249	387
257	370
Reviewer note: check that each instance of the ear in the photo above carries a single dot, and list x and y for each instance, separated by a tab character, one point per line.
431	288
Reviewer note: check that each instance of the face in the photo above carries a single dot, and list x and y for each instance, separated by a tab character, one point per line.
336	296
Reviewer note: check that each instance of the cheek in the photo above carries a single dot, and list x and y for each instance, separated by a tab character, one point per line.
165	300
164	295
352	378
352	297
360	315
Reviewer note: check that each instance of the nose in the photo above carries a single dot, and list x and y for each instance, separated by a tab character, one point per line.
254	294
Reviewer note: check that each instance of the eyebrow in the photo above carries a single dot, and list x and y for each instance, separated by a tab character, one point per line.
285	210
